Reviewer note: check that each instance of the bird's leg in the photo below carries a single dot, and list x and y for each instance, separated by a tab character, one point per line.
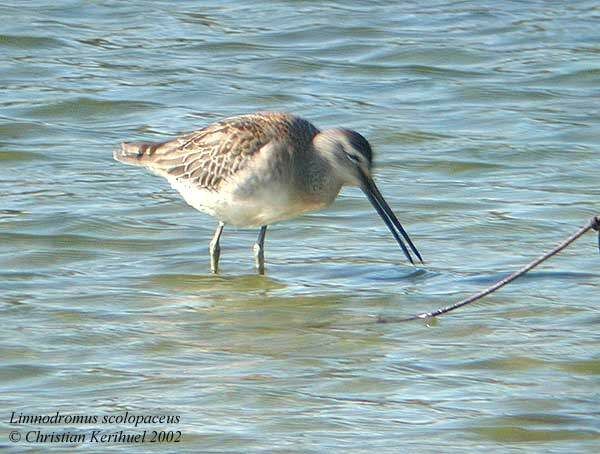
215	249
259	250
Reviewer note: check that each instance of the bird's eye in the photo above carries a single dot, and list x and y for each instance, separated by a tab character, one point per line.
352	158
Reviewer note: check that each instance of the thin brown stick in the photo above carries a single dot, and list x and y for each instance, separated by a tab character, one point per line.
593	223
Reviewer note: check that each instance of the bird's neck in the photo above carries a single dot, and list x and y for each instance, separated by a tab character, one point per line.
320	181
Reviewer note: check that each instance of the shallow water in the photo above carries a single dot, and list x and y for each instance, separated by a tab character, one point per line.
485	120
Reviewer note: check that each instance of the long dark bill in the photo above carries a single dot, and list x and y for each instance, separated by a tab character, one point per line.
388	216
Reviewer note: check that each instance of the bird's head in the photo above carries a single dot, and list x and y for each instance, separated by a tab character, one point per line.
348	152
351	157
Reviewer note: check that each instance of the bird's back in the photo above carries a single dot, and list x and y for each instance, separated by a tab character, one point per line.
211	156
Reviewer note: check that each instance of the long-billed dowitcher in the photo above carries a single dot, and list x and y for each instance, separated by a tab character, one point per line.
254	170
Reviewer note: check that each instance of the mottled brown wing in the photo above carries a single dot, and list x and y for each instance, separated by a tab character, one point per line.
212	155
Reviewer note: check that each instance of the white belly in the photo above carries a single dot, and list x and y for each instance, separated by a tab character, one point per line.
262	207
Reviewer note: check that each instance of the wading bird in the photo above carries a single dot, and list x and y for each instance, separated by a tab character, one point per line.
254	170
